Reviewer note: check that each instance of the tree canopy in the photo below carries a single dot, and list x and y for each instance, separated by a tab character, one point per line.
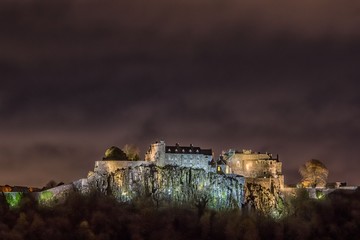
115	153
128	153
314	174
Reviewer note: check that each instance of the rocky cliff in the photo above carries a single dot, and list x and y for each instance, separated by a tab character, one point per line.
171	185
264	195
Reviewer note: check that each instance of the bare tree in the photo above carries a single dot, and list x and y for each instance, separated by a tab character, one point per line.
201	203
50	184
132	152
314	174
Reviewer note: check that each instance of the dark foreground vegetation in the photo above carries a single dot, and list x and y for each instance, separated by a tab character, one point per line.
99	217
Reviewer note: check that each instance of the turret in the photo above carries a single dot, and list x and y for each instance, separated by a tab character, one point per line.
156	153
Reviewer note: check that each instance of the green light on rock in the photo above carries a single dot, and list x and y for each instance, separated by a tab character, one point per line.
13	198
46	197
320	194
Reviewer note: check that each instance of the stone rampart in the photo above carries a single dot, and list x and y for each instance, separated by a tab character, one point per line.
104	167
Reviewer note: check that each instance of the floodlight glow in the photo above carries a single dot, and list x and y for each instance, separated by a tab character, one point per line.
13	198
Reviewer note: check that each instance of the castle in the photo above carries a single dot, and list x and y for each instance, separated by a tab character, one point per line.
183	174
159	154
245	163
253	164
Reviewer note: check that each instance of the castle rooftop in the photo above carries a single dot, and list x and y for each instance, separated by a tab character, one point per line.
187	150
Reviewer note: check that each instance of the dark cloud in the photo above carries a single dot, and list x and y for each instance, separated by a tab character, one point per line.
35	163
278	77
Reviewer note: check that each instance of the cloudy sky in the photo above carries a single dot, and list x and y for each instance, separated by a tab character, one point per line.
79	76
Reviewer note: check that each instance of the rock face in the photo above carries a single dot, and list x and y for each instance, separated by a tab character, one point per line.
171	185
264	195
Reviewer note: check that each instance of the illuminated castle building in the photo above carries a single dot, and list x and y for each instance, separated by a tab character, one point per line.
253	164
185	156
245	163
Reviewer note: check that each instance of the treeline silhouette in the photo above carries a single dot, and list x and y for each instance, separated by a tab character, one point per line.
100	217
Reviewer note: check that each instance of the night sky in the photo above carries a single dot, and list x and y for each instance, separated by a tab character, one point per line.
79	76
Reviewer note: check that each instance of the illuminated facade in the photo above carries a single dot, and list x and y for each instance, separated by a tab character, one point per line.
253	164
185	156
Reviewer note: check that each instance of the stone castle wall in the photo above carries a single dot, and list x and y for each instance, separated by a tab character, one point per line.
198	161
254	165
112	166
158	155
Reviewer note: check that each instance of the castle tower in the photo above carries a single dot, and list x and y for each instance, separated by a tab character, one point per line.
156	153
